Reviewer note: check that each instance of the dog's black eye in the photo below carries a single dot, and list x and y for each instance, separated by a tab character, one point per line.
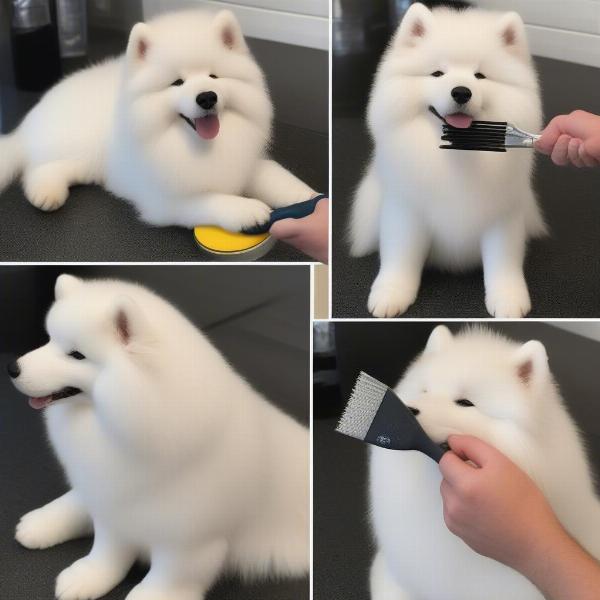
464	402
437	74
213	76
77	355
178	82
480	76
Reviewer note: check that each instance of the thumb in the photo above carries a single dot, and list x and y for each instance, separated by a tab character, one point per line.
286	229
471	448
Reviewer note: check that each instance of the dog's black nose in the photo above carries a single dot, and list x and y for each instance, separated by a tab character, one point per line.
461	94
13	369
206	100
414	411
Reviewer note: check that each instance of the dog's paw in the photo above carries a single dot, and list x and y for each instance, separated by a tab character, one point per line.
144	591
508	299
248	213
85	579
47	197
391	297
36	531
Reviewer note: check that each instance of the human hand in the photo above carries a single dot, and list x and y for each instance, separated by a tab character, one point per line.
500	513
572	139
494	506
309	235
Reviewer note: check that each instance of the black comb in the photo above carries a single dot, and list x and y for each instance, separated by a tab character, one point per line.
487	136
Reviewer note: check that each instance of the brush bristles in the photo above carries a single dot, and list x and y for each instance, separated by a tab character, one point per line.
487	136
365	400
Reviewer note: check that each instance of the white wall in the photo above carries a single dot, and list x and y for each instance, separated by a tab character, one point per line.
587	329
297	22
561	29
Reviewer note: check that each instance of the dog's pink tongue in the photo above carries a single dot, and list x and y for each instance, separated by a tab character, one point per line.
207	127
459	120
39	403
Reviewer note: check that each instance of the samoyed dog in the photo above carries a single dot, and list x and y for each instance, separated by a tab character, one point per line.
170	454
179	126
420	204
480	384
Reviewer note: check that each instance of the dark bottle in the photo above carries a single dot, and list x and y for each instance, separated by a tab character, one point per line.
35	45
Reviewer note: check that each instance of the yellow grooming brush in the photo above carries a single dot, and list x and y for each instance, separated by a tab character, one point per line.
251	244
230	245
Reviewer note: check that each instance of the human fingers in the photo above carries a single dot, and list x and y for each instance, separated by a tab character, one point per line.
573	152
559	154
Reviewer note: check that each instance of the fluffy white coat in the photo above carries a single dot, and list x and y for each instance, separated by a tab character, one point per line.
519	410
121	124
453	209
170	454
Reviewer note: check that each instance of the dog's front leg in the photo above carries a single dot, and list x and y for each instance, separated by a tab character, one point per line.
230	212
403	245
276	186
61	520
182	574
382	584
503	253
99	572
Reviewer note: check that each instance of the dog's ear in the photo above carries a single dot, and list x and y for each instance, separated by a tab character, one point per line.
439	339
512	34
65	284
531	363
415	25
229	31
139	44
129	321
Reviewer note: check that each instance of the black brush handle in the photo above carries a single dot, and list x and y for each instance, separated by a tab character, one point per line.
396	428
433	450
294	211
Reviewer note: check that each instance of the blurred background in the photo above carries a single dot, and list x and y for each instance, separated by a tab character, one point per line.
343	545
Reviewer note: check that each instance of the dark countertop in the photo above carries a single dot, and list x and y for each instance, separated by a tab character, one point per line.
262	330
343	545
562	270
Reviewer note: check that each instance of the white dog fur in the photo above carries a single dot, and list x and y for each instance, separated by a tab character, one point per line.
170	454
519	410
453	209
119	124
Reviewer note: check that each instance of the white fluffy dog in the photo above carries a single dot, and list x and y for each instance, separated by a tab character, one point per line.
179	126
170	454
480	384
453	209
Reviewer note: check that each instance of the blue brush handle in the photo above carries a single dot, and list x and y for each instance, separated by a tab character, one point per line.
294	211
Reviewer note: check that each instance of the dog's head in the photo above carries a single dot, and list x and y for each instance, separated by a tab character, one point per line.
191	69
89	322
465	64
477	383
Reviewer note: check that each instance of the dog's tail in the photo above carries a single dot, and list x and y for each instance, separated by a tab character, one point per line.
363	229
11	158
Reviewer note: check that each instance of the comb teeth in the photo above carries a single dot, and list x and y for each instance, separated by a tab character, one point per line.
486	136
365	400
474	147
